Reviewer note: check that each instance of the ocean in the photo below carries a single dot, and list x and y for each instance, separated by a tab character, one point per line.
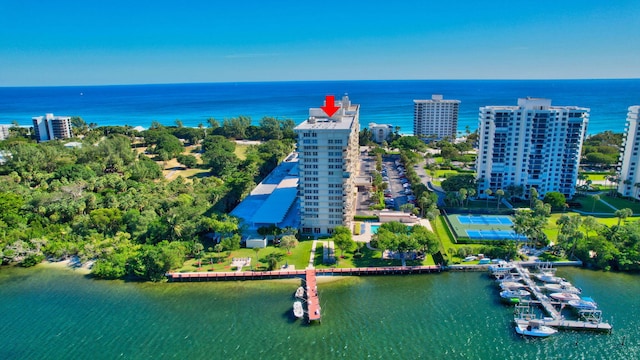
387	102
50	313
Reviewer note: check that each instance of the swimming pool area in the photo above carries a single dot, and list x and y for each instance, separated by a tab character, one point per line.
374	229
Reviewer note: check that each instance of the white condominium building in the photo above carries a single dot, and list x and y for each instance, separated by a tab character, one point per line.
380	132
533	144
328	165
4	131
630	160
51	127
436	118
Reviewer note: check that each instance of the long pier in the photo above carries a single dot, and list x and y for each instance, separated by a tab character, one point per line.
283	274
313	302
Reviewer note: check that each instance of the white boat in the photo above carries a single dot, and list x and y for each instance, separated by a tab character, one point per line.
513	296
562	287
508	277
584	303
500	268
511	285
534	328
297	309
549	278
564	296
300	292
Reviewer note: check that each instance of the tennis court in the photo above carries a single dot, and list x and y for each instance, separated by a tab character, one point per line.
494	235
484	220
484	227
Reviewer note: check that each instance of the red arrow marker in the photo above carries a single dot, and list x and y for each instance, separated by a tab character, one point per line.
330	107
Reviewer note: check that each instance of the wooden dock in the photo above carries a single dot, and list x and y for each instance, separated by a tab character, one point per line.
313	302
572	324
545	302
283	274
556	319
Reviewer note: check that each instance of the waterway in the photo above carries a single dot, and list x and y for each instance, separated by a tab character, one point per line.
60	314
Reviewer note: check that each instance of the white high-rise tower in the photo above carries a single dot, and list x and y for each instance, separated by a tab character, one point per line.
328	165
533	144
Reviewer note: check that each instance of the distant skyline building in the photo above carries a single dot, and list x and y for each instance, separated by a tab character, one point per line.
532	144
4	131
380	132
50	127
629	159
436	118
328	153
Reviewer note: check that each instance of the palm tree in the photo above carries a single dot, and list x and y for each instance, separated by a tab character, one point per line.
582	177
533	196
488	193
595	198
589	223
471	193
499	194
623	214
463	194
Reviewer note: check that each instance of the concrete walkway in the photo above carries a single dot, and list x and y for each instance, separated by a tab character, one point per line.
609	205
312	257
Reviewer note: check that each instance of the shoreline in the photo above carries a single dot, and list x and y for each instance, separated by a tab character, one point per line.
72	264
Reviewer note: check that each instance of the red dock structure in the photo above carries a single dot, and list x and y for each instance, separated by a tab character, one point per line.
313	302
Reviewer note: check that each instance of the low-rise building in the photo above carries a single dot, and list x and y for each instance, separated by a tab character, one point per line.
380	132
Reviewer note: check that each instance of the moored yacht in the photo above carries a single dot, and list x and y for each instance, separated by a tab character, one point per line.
564	296
585	303
513	296
511	285
562	287
298	311
534	328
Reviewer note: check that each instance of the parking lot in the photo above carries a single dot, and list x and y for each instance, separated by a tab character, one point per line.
398	188
398	191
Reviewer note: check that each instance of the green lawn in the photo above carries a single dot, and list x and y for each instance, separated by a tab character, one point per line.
445	173
622	203
222	262
597	176
587	204
369	258
551	230
446	239
241	150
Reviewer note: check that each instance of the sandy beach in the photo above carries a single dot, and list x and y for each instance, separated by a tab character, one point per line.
73	264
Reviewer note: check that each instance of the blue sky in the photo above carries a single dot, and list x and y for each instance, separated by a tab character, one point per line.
124	42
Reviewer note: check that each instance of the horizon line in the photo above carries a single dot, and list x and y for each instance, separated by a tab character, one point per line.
312	80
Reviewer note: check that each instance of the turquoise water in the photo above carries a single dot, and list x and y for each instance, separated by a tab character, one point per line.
374	229
383	102
58	314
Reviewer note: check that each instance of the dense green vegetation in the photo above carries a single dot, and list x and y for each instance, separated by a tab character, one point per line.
105	202
602	149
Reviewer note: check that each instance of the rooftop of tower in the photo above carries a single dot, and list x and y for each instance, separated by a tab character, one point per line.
342	120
